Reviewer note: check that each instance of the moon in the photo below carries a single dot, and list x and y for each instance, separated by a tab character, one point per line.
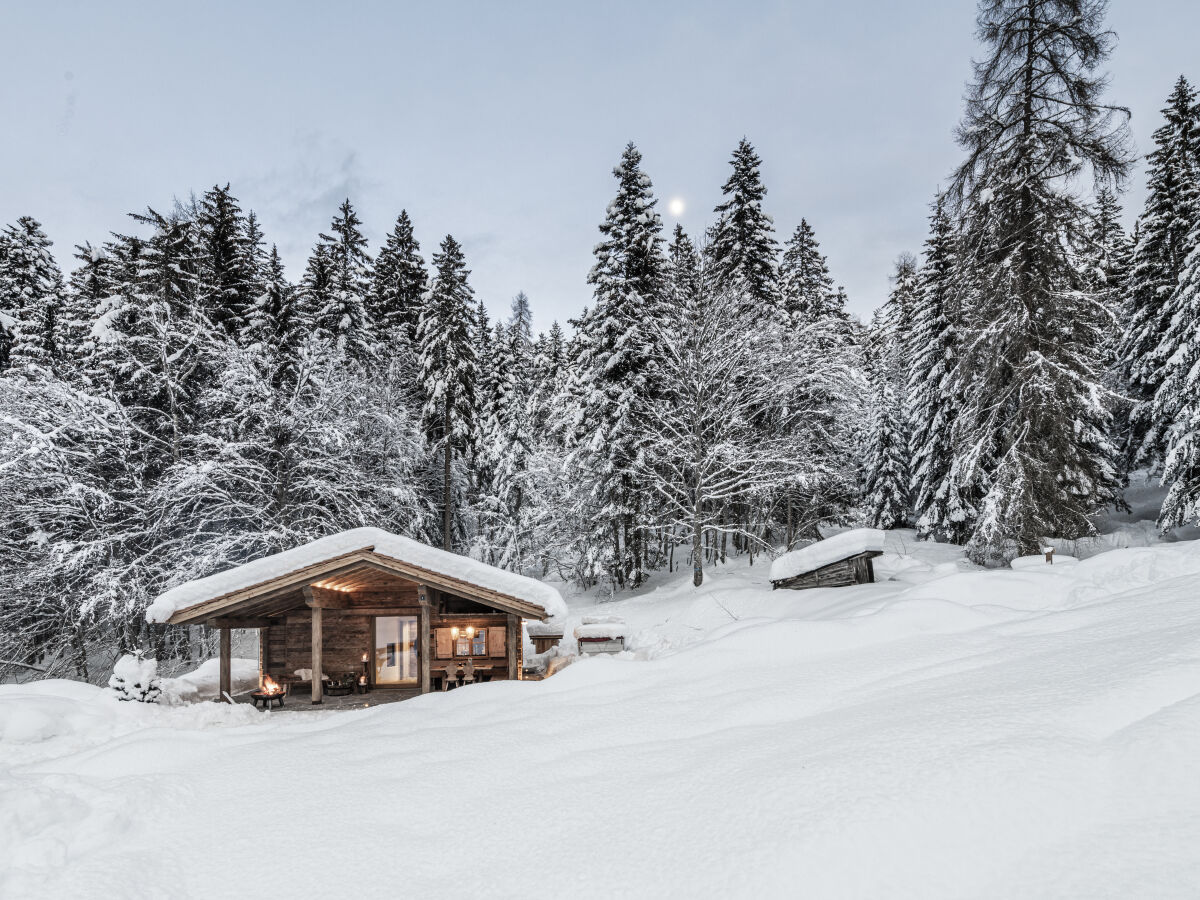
676	206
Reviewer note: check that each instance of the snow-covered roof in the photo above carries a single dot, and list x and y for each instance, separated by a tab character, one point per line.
380	543
823	553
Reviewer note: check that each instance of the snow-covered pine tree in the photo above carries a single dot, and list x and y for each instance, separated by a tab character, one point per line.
400	282
276	323
257	258
1164	242
448	365
886	480
898	314
1107	256
743	252
89	287
1178	401
342	319
31	296
316	291
1035	427
806	288
683	267
613	370
225	262
941	509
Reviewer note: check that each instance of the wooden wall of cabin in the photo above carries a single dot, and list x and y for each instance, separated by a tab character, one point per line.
346	636
287	646
498	645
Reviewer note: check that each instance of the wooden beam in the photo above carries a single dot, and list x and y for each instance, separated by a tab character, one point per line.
237	622
514	645
226	679
323	598
317	648
424	648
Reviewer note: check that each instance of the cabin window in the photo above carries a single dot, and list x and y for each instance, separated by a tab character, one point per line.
396	650
470	641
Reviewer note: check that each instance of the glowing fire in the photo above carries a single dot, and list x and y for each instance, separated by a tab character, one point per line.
270	685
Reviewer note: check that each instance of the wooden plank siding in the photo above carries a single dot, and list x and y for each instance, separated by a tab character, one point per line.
856	569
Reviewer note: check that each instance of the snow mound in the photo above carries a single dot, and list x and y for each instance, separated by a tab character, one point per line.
829	550
382	542
203	683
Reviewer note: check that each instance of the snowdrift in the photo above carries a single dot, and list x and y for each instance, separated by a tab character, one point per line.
998	734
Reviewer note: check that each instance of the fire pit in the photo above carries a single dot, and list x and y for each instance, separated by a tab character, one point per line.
269	694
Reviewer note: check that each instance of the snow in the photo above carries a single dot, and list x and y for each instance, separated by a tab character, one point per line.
1038	562
204	682
830	550
610	631
384	544
964	733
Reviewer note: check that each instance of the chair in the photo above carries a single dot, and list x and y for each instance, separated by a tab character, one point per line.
469	673
451	677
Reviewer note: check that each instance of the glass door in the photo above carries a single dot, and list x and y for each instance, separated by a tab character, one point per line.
396	650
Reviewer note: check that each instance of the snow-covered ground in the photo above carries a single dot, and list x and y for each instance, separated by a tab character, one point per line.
955	733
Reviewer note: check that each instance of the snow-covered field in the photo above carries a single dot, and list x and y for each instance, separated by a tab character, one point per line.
955	733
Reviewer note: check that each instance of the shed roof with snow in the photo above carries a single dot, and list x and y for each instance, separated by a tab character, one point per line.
839	560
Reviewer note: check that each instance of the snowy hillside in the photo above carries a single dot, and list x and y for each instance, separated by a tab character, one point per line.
971	734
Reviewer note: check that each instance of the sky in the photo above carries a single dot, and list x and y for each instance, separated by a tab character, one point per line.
500	123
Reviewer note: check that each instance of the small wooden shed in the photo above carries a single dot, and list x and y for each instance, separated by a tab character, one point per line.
838	561
369	604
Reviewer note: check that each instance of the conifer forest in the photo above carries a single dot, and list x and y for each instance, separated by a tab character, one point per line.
173	401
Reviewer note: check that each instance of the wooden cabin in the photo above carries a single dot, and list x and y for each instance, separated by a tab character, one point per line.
838	561
366	604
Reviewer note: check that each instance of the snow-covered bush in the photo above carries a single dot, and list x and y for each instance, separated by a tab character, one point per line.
135	678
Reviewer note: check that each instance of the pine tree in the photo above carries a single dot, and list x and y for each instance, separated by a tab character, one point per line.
316	283
805	286
683	266
257	260
1035	425
31	296
448	364
342	317
615	360
934	402
885	488
90	286
276	323
1171	212
400	281
743	249
1177	404
225	261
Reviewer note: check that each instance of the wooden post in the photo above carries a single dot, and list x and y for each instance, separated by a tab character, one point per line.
317	648
514	645
424	650
226	680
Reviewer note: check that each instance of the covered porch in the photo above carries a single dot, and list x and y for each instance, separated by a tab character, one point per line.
391	616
